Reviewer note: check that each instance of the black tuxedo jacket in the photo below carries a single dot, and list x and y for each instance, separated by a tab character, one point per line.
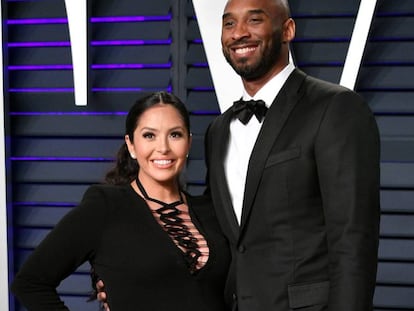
308	237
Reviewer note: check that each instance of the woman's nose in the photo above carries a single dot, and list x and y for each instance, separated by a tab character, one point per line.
163	145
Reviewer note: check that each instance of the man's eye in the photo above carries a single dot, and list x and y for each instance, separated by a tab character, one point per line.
228	24
256	20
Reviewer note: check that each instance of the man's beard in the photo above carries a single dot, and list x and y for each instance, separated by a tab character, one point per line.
260	68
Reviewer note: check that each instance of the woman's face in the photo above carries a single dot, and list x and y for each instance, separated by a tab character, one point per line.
160	144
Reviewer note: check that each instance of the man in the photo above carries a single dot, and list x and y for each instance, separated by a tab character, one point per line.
297	195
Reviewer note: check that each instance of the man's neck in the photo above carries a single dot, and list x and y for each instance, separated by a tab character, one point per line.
253	86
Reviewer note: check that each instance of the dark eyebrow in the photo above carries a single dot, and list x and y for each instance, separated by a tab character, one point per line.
254	11
225	15
176	128
257	11
148	129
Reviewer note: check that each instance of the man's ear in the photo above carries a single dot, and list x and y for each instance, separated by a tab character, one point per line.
289	30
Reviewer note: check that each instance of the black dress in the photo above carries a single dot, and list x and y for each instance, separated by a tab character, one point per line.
141	266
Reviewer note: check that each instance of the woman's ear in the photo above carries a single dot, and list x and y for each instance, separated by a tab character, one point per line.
130	147
190	141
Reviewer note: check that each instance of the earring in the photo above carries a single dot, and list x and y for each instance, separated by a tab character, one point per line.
133	156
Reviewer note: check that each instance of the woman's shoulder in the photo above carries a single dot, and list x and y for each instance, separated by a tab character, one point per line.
108	189
107	193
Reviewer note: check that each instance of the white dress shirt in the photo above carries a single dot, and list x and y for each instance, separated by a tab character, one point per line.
243	137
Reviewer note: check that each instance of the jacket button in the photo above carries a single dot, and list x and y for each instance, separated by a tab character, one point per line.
242	249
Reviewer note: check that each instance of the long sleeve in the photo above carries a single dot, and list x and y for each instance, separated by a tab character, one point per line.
72	242
347	156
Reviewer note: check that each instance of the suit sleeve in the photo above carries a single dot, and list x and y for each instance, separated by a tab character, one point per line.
207	191
347	155
72	242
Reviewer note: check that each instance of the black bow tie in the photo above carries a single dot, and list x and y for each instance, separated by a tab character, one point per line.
244	110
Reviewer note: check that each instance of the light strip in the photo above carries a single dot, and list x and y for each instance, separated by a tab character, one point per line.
130	66
42	90
131	42
106	19
97	89
94	66
45	204
93	43
37	21
358	41
38	44
63	159
129	89
40	67
69	113
4	237
122	19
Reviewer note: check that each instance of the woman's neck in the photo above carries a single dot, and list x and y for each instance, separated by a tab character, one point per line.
166	192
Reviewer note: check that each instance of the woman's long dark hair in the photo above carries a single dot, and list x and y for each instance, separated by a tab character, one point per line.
126	168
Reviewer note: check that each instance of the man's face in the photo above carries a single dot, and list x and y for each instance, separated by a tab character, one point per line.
252	36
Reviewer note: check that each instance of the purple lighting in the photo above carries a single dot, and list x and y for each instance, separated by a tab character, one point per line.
41	67
105	19
129	89
96	89
200	65
62	159
41	90
123	19
45	204
130	66
69	113
131	42
93	43
95	66
38	44
34	21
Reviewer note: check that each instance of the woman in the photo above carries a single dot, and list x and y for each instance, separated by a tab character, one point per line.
155	247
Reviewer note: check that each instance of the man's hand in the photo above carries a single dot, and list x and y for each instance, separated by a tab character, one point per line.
101	295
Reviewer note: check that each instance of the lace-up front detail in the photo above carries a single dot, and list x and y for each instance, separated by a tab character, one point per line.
179	226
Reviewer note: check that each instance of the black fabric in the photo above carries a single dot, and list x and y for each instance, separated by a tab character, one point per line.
311	202
244	110
143	269
174	225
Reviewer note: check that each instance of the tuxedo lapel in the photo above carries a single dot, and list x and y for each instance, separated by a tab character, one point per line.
222	199
276	117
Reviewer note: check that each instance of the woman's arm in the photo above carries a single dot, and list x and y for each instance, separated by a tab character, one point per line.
72	242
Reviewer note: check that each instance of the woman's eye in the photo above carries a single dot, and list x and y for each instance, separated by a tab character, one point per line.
148	135
176	134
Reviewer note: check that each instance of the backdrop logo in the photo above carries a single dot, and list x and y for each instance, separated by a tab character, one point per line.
78	23
228	84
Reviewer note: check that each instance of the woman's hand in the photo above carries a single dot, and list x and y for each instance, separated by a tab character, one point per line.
101	295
